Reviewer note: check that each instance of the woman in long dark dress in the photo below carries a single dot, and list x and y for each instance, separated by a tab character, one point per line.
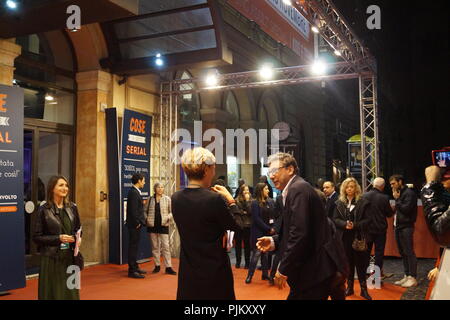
244	202
203	215
263	215
56	225
351	217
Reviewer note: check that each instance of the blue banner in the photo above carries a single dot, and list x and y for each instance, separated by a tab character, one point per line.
12	229
135	156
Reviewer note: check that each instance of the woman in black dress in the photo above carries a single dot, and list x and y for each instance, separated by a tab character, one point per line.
263	216
57	222
244	202
351	217
203	215
159	214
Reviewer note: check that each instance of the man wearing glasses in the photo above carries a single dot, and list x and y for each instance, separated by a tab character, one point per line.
308	256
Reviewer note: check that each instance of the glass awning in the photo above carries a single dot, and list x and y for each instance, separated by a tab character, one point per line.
172	28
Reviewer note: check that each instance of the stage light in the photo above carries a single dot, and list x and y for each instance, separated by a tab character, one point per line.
287	2
159	61
49	97
315	29
266	72
11	4
212	80
318	68
338	53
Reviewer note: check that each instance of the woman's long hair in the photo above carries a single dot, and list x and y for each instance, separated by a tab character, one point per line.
52	182
240	196
343	194
259	195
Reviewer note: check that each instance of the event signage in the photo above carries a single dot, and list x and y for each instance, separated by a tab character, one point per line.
135	158
12	230
282	22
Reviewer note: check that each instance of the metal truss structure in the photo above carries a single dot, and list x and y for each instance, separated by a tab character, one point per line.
358	64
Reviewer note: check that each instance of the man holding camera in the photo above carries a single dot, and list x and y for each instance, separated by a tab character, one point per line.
405	219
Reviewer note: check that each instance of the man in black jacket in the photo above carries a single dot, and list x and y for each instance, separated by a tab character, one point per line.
330	192
135	220
380	209
308	259
405	218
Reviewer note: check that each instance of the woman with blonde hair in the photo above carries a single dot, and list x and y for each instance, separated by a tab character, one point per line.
203	214
159	214
351	217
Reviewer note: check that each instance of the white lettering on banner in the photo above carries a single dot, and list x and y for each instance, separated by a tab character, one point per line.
134	138
293	16
4	121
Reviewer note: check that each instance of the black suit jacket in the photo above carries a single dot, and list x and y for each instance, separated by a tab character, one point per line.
330	205
308	254
380	209
135	209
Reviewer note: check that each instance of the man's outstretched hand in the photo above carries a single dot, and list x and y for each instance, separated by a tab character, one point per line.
264	244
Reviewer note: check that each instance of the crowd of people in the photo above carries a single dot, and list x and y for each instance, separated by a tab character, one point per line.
310	238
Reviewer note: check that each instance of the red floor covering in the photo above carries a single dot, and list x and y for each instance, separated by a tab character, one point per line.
110	282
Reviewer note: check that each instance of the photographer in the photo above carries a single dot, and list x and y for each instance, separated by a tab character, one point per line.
436	201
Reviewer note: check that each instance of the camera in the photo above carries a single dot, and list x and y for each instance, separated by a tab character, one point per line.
441	158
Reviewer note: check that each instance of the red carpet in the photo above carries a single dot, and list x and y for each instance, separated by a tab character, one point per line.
110	282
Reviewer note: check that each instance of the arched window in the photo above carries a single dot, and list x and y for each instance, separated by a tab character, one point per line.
232	108
189	106
45	70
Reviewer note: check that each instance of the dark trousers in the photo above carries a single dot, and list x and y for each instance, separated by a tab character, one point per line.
275	263
256	254
318	292
242	237
358	259
133	245
405	246
379	240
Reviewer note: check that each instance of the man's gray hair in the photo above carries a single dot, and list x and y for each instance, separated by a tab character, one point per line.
378	182
286	160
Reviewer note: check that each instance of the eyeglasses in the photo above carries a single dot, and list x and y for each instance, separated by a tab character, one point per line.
274	171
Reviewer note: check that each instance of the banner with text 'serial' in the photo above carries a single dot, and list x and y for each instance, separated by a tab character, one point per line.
12	230
136	135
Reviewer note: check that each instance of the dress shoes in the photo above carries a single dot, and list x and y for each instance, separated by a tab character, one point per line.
248	280
170	271
141	271
157	269
135	275
265	277
365	294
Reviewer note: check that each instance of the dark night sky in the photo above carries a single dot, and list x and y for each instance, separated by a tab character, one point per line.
412	54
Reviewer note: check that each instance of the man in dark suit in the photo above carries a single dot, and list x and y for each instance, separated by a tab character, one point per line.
308	256
135	220
332	196
380	209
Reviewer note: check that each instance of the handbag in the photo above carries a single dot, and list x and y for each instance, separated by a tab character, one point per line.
359	244
78	260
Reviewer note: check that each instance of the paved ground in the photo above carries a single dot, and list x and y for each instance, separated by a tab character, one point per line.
395	266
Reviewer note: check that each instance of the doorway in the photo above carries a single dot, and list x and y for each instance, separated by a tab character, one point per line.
48	150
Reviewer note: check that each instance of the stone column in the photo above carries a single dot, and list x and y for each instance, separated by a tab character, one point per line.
91	163
250	172
9	51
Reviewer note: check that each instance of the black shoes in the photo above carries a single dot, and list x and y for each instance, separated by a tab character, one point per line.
265	277
349	291
135	275
141	271
170	271
157	269
249	279
364	292
271	281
